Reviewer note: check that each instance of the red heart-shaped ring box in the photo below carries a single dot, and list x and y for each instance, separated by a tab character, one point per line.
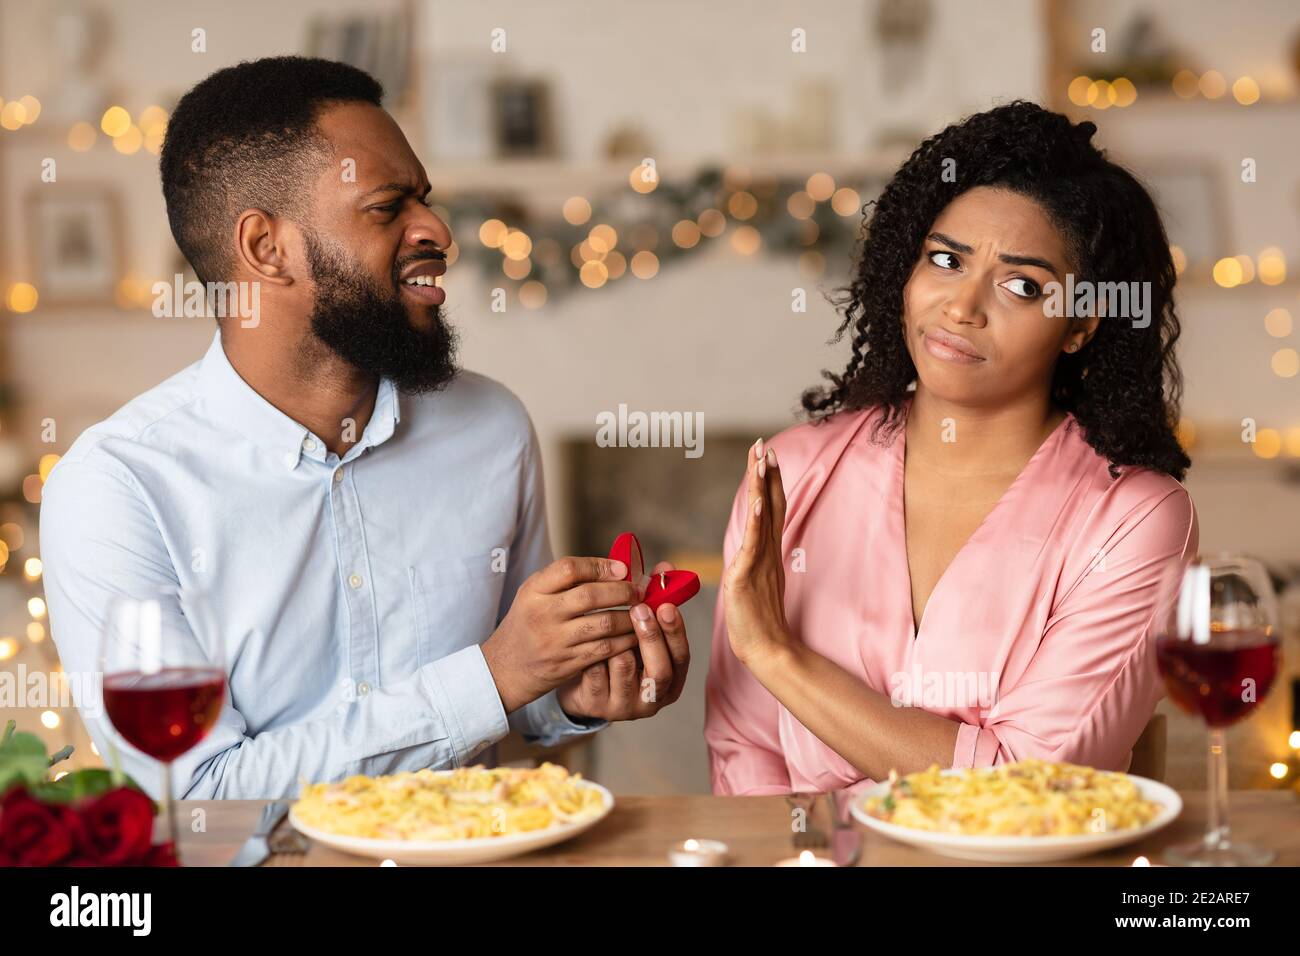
665	587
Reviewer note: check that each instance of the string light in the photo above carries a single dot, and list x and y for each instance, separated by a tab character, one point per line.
12	535
516	244
593	274
746	240
846	202
1180	259
1186	84
616	264
1286	363
800	205
643	179
712	223
603	238
686	234
12	116
517	268
821	186
812	263
1272	266
532	294
742	205
1082	91
645	264
23	297
31	108
1267	443
492	233
1245	91
115	121
1228	273
1125	92
1212	84
576	211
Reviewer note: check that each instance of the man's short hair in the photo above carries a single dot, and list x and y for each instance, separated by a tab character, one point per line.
246	138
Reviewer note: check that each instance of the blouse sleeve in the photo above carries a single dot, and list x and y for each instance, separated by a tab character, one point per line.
1091	687
740	714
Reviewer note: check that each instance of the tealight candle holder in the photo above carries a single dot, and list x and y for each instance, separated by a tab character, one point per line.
807	858
698	853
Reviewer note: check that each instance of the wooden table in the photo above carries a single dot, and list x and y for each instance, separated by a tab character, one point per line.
639	831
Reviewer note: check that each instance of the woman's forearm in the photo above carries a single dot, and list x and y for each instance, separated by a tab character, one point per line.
860	724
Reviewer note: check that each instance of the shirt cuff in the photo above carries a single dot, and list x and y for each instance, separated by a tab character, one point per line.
976	747
544	722
460	687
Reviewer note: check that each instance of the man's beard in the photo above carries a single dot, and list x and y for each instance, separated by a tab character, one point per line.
369	327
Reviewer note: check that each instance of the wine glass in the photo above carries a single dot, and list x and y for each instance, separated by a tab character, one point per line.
1217	649
164	681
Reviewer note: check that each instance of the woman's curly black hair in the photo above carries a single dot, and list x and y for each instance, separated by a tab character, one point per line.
1124	387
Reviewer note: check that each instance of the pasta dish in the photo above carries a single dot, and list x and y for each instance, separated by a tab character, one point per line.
449	805
1029	798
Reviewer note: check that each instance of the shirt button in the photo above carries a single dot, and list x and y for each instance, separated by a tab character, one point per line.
363	688
309	444
338	475
355	580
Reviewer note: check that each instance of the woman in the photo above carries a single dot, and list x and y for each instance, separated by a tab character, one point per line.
964	574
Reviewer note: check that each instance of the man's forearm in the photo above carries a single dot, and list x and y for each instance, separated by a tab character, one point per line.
439	717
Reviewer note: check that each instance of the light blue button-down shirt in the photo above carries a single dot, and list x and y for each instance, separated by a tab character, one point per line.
351	594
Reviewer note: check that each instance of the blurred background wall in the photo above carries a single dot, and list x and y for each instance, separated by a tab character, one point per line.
766	126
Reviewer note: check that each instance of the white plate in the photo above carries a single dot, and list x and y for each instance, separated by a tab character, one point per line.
1022	849
447	852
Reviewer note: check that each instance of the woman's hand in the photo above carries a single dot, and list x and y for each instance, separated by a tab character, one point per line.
753	586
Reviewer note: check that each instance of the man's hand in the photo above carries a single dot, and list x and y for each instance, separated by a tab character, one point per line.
635	683
550	634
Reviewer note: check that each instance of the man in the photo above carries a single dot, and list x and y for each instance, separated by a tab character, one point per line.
366	524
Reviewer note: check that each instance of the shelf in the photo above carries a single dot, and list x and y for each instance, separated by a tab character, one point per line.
548	176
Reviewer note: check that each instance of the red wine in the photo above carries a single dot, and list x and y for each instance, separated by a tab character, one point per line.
1212	679
166	713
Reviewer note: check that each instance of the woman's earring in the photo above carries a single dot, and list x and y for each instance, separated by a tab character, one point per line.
1073	347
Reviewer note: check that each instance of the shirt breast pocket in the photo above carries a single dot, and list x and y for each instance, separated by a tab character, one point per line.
455	601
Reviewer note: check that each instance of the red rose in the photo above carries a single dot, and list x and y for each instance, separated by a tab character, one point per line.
118	827
34	833
164	854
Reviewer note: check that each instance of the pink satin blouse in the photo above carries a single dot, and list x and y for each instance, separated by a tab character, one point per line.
1035	638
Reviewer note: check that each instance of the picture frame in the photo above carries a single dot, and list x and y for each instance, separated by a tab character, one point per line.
379	43
521	118
458	91
1192	205
75	240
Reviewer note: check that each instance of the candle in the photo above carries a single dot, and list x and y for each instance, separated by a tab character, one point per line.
698	853
808	858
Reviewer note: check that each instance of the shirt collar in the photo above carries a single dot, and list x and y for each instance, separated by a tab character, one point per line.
233	403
